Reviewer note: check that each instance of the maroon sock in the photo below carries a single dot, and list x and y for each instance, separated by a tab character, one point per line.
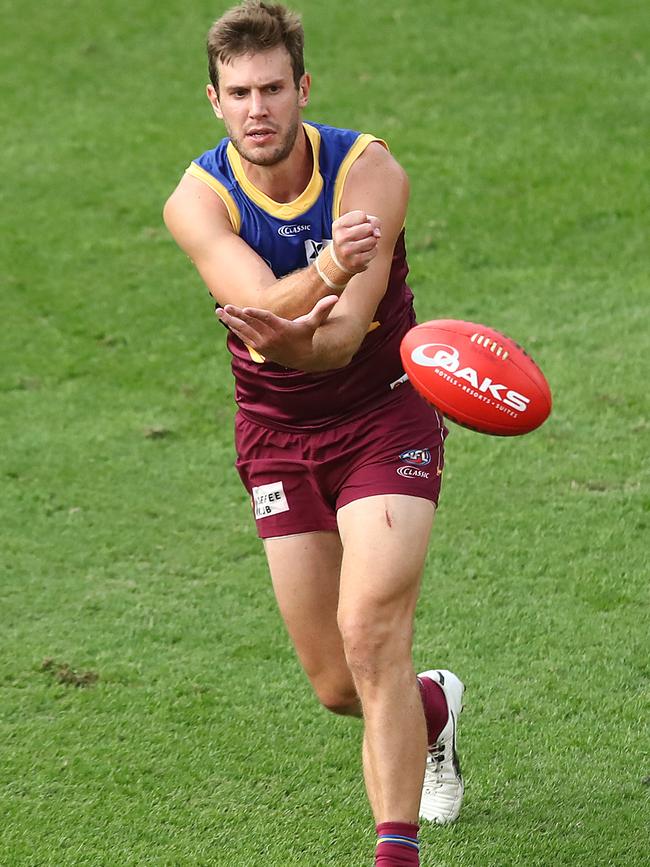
436	711
397	845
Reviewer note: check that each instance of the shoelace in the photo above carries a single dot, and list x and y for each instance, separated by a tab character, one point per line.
433	773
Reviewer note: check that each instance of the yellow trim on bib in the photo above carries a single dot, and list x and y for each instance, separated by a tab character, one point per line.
233	211
359	146
282	210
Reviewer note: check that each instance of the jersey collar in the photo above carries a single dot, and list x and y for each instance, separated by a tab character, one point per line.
282	210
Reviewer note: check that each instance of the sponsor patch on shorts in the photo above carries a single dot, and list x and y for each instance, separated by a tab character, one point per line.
416	457
269	500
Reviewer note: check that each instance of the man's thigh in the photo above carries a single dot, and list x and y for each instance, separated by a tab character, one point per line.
385	540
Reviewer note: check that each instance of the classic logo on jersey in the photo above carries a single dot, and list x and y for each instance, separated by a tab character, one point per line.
416	457
269	500
446	360
313	248
289	231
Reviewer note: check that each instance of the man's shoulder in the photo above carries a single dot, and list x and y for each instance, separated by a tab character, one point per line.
341	148
328	129
377	169
334	135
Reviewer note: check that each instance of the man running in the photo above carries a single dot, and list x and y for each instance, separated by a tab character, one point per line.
297	229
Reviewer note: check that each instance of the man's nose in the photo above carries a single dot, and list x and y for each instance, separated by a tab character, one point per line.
257	104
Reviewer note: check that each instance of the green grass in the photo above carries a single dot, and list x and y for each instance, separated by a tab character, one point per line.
127	547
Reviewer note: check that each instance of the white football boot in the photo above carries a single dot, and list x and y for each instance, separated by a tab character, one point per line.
443	788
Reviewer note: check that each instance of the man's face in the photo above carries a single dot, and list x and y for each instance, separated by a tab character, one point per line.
260	105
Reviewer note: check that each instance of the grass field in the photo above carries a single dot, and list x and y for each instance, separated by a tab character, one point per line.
151	710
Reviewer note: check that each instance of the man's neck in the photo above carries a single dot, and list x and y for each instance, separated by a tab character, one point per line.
284	181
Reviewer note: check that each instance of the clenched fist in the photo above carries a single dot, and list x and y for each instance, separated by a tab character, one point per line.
355	236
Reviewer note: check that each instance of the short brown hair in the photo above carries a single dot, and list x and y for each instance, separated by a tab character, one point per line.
255	26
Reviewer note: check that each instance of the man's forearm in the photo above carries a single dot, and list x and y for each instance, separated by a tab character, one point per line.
293	295
333	345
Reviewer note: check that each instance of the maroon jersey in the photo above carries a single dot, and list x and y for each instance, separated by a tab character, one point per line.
292	399
289	236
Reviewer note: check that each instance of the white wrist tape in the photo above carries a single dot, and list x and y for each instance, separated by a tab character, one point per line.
330	247
330	270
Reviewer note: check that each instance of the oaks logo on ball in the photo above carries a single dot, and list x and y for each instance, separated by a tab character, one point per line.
417	457
446	359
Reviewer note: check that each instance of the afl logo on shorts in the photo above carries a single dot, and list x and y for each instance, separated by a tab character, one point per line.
416	457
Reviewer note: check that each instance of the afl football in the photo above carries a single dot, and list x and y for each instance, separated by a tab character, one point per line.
476	377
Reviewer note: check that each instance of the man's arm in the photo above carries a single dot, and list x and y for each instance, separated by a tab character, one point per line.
233	272
376	184
332	332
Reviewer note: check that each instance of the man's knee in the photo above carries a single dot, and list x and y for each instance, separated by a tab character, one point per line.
373	641
343	702
335	689
343	705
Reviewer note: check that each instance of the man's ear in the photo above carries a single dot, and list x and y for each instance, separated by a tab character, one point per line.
213	98
304	88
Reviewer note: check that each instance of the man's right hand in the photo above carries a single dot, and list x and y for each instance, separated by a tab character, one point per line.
355	236
285	341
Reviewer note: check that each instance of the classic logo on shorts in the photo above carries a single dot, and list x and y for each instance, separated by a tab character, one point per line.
416	457
412	472
269	500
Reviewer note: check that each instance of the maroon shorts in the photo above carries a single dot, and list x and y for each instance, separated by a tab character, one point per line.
298	480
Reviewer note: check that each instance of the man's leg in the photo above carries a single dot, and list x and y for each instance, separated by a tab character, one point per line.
385	540
305	570
306	575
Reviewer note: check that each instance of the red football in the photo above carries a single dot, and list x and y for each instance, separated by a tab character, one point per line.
476	376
